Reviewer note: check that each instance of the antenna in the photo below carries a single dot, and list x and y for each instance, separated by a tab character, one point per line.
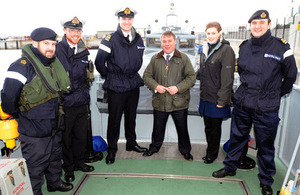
171	18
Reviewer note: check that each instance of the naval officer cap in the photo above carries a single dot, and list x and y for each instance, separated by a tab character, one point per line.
74	23
126	12
43	33
260	14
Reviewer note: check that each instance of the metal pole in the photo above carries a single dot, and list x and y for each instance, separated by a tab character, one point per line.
246	32
295	39
283	28
291	162
276	27
91	155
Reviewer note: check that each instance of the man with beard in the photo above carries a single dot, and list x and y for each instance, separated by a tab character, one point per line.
73	54
31	92
119	58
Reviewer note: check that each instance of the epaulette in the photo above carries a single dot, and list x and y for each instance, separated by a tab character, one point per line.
243	42
107	38
282	40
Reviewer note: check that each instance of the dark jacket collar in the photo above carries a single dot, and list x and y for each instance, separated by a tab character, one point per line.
80	47
262	39
45	61
133	33
212	46
161	54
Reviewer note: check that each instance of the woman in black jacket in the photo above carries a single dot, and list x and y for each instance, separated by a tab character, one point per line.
216	74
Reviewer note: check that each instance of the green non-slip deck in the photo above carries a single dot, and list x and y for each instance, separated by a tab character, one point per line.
166	173
108	184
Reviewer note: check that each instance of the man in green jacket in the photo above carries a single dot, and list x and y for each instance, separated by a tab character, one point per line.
170	75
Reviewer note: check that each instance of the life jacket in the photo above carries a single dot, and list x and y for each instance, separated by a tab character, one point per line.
49	82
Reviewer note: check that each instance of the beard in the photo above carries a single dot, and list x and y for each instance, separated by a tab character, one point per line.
49	53
72	40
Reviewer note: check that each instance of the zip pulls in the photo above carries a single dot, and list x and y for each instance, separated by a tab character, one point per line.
51	70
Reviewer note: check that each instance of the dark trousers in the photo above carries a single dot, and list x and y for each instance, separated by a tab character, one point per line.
43	158
75	136
119	103
159	128
213	133
265	129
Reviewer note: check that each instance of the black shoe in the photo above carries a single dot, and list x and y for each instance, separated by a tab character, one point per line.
69	176
63	187
208	160
188	156
136	148
246	163
223	173
204	158
84	167
93	156
266	189
149	153
110	158
99	155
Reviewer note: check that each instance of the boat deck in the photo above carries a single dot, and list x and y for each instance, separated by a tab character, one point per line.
166	173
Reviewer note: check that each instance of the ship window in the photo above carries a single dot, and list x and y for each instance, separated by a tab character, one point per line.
186	43
153	42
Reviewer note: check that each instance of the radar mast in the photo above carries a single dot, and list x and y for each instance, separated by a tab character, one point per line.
172	18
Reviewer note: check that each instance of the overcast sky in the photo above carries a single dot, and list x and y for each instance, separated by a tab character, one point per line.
20	17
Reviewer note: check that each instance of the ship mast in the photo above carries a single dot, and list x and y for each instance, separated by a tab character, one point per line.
171	18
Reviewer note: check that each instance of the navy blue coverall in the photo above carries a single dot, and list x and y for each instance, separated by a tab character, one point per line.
267	70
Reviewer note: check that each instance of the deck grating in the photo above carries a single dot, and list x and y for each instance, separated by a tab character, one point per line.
244	188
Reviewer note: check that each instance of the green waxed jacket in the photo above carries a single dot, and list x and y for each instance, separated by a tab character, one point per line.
180	74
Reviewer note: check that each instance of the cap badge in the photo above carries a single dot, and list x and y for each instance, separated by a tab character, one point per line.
127	11
263	15
75	20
